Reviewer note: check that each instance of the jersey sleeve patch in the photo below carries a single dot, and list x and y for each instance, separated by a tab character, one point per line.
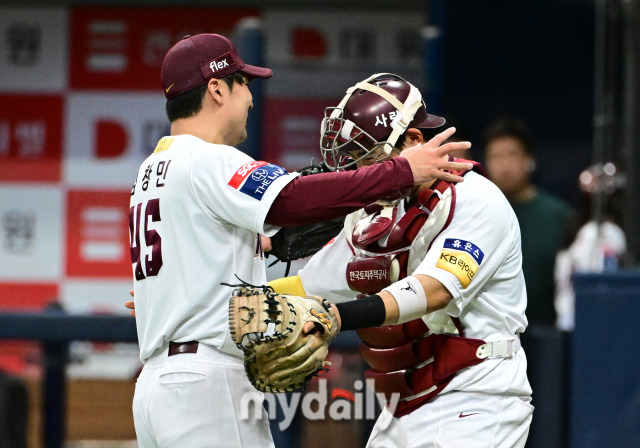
466	246
244	171
254	178
461	258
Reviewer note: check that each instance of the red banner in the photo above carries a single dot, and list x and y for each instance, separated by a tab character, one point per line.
123	48
97	234
30	138
27	296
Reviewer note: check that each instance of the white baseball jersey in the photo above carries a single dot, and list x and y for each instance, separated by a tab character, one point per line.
196	212
477	257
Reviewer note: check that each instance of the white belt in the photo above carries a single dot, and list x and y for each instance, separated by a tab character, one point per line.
499	349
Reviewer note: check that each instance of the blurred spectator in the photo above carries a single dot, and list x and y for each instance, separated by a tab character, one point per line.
543	218
596	243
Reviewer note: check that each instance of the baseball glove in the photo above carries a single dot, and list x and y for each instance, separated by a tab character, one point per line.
293	243
268	327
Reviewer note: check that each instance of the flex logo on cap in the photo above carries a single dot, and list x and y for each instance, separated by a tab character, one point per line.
461	258
219	64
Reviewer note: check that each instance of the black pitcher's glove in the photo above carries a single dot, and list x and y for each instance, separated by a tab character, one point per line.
293	243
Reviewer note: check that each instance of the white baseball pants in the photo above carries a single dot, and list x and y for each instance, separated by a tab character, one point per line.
200	400
457	420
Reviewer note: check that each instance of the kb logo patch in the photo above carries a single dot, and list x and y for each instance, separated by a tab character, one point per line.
461	258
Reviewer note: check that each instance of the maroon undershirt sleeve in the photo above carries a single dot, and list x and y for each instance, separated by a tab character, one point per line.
321	197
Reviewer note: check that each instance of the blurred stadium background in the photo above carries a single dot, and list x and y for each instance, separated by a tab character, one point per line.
81	107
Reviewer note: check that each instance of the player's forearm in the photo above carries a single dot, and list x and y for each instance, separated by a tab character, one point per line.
321	197
403	301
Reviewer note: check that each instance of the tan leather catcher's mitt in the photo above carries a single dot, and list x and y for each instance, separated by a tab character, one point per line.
268	328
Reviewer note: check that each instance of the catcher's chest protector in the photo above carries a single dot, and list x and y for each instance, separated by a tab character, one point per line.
387	248
406	359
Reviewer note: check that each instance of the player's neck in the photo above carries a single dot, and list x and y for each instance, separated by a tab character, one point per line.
198	126
420	188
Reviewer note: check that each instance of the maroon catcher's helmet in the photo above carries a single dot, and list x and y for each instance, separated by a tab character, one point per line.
373	114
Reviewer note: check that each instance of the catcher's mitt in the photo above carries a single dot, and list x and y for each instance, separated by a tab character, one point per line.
268	327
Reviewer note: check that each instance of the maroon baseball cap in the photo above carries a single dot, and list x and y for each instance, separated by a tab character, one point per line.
195	59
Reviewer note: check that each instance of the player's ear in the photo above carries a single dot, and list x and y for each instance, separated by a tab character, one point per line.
413	137
213	88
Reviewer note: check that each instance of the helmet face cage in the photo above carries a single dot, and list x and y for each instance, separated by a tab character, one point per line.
370	120
340	137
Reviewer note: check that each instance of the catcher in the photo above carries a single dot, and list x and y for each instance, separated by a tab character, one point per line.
438	276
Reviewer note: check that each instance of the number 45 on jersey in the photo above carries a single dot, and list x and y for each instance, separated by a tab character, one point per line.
152	249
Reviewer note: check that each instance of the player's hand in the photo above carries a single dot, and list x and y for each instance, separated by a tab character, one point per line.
337	313
131	305
312	328
428	160
265	242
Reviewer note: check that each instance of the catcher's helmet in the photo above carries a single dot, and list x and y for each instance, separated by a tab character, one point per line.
373	114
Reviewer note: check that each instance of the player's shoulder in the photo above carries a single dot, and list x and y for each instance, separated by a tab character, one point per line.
210	155
203	148
478	187
479	193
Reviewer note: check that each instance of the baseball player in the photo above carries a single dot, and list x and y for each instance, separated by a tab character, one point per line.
198	206
440	276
